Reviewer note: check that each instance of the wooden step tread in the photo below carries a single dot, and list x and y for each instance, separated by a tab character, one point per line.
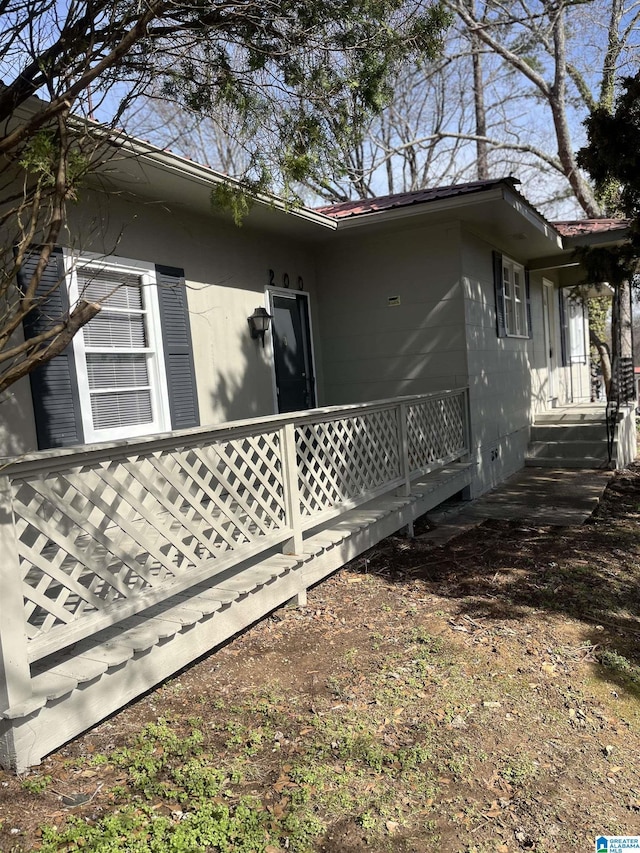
87	660
44	688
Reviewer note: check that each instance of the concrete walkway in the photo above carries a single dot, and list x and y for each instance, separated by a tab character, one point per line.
539	495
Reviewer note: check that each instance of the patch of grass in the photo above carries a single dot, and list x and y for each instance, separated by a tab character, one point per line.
139	829
519	769
177	797
36	784
625	672
620	665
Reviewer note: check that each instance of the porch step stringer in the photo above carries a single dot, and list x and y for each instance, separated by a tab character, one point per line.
73	691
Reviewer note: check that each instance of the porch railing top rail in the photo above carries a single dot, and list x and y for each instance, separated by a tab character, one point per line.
86	453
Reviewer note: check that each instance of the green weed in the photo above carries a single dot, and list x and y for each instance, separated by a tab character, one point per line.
36	784
620	666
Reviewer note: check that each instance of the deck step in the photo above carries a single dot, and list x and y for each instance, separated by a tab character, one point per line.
571	437
89	660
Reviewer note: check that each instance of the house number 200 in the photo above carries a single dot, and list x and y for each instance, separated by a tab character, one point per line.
285	280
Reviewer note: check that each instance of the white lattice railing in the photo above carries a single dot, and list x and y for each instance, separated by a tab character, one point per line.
94	535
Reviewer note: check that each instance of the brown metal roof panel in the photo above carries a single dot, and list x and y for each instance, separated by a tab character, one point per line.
390	202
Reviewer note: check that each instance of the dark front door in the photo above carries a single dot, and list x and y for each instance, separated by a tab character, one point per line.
292	353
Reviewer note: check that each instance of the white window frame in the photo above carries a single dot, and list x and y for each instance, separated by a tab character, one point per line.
577	326
515	299
161	420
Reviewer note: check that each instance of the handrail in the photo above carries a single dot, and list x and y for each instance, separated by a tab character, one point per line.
66	456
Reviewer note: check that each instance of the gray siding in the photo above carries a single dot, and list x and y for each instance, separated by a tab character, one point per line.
374	349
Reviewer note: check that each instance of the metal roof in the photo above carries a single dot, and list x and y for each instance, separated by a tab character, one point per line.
389	202
580	227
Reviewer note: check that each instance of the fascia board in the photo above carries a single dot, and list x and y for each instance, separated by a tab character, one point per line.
552	262
604	238
441	205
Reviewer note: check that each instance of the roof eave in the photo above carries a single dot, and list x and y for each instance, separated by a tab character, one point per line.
168	161
409	211
522	206
613	237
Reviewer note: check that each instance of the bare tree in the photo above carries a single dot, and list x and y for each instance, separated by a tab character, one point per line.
564	57
84	57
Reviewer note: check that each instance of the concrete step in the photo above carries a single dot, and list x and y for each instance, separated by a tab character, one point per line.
566	462
586	431
569	450
570	416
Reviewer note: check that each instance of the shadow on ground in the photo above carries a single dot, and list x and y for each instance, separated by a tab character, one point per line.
507	569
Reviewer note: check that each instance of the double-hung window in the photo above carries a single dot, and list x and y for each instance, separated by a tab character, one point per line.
121	378
512	298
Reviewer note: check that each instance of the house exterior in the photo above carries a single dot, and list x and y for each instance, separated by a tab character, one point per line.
169	479
454	287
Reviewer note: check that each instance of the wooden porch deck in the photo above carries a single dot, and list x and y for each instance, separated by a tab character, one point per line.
116	578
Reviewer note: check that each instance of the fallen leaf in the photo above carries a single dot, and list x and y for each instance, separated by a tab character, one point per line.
494	810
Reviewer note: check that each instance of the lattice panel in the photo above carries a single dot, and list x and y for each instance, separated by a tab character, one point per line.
435	430
93	535
343	459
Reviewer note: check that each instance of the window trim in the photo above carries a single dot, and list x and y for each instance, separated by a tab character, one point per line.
508	302
155	351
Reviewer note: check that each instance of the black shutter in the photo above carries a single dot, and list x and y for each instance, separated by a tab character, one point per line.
501	324
54	385
564	329
178	351
528	292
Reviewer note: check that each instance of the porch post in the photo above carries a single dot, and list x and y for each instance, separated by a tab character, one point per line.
291	489
15	684
403	450
466	421
403	453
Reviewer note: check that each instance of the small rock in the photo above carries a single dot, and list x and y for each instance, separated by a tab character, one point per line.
608	750
458	722
524	839
487	704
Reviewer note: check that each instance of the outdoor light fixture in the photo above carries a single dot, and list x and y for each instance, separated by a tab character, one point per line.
259	323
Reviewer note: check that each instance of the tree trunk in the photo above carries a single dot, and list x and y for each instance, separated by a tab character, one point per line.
482	165
602	348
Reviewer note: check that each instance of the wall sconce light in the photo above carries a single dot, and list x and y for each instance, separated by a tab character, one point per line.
259	323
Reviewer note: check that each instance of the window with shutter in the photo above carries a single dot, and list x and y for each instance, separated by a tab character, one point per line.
121	376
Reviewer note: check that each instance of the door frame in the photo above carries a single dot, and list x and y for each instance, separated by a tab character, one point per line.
550	339
269	293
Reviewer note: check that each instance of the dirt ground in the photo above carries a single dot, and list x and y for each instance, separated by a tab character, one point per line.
477	696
